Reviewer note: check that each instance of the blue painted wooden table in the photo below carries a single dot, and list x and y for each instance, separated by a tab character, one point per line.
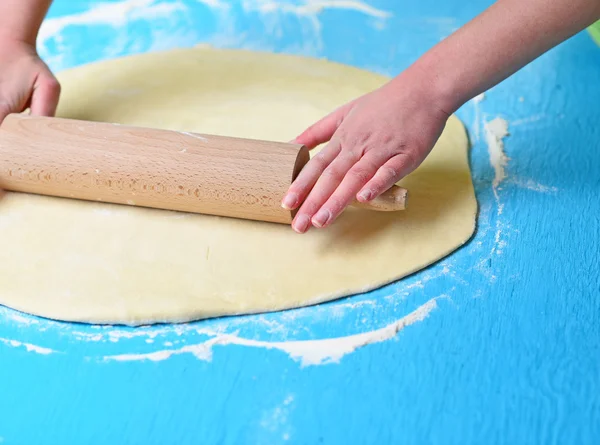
498	343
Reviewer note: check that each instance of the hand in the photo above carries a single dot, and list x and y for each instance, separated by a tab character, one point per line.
374	141
25	81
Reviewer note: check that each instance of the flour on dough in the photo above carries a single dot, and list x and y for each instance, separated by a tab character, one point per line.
100	263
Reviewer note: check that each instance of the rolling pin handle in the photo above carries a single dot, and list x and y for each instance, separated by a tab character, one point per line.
391	200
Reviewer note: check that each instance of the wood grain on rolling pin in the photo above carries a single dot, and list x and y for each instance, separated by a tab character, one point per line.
146	167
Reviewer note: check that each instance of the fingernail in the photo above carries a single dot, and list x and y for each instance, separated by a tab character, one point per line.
365	195
321	218
290	201
301	224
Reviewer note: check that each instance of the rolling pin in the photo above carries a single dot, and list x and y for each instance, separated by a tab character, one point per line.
161	169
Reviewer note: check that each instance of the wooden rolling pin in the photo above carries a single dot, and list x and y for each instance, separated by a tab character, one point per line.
161	169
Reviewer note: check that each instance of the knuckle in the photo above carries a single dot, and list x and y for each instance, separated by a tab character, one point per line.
310	207
335	204
362	138
5	109
352	141
320	155
388	139
333	172
389	172
54	85
50	83
319	161
410	159
360	174
352	153
342	131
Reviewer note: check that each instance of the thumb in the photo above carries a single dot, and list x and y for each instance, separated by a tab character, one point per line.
323	130
46	92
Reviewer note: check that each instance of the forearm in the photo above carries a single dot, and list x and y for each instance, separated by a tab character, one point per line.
21	19
497	43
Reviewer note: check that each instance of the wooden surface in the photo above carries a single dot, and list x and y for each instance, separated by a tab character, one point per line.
496	344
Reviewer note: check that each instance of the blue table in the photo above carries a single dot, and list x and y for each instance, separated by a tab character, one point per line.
498	343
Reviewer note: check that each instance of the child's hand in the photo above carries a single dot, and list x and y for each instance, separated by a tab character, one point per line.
374	141
25	81
379	138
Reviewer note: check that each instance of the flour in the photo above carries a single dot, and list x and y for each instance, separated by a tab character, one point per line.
114	14
195	136
313	7
528	120
530	184
307	353
495	131
28	346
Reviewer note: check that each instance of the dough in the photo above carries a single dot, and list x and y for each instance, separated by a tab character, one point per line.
92	262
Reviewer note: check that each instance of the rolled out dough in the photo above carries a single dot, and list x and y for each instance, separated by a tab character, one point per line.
93	262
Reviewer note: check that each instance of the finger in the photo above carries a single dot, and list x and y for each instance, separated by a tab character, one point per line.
5	110
46	92
309	175
358	175
387	175
323	130
327	183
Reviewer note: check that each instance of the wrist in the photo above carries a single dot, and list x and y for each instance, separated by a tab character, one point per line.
440	87
20	20
12	34
10	42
